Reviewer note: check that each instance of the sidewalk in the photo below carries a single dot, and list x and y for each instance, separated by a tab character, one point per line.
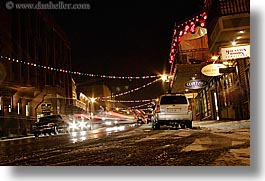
223	124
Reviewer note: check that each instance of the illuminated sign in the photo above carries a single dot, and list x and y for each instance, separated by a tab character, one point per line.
212	69
235	52
195	84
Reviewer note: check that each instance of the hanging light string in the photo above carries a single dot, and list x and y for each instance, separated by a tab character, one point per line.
142	105
130	91
75	72
128	101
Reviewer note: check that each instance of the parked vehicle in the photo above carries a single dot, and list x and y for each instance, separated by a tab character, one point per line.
172	110
52	124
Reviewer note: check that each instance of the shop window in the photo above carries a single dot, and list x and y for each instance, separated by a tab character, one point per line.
1	105
205	104
208	103
18	108
198	105
247	62
28	109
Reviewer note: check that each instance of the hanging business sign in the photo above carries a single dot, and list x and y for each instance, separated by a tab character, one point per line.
227	70
212	69
235	52
195	84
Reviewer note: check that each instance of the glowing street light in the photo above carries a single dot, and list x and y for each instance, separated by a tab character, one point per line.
164	77
92	100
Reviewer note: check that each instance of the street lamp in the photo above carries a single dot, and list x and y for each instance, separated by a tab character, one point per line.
92	100
164	77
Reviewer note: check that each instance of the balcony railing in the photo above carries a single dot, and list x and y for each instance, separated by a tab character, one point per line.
227	7
219	8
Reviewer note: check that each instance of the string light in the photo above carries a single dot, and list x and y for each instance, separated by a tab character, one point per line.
183	29
142	105
128	101
107	98
75	72
130	91
179	31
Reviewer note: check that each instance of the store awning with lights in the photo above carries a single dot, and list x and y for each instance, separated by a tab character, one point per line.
189	37
189	43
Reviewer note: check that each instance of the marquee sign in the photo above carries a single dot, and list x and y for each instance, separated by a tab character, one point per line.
235	52
212	69
195	84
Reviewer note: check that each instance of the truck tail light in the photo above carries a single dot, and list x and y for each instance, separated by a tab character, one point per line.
157	108
189	108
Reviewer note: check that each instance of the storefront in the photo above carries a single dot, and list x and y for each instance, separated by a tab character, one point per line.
227	96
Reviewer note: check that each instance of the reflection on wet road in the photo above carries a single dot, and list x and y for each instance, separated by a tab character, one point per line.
30	150
99	133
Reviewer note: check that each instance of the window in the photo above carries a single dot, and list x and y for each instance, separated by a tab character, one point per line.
173	100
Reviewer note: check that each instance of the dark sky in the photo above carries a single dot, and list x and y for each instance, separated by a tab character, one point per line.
128	38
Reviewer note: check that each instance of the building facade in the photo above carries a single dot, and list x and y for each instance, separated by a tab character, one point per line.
34	54
227	94
97	94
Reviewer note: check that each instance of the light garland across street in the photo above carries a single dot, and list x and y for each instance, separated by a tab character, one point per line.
130	91
128	101
107	98
142	105
75	72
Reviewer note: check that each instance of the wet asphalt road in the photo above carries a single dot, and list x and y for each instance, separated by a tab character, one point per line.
135	145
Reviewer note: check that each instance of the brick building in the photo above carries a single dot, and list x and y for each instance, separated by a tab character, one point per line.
33	51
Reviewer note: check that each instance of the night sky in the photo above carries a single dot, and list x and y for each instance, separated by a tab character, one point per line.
123	38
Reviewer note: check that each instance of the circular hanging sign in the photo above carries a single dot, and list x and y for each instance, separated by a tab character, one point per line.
195	84
212	69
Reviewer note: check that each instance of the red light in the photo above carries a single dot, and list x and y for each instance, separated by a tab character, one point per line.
180	33
192	29
157	108
179	38
204	15
189	108
187	27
